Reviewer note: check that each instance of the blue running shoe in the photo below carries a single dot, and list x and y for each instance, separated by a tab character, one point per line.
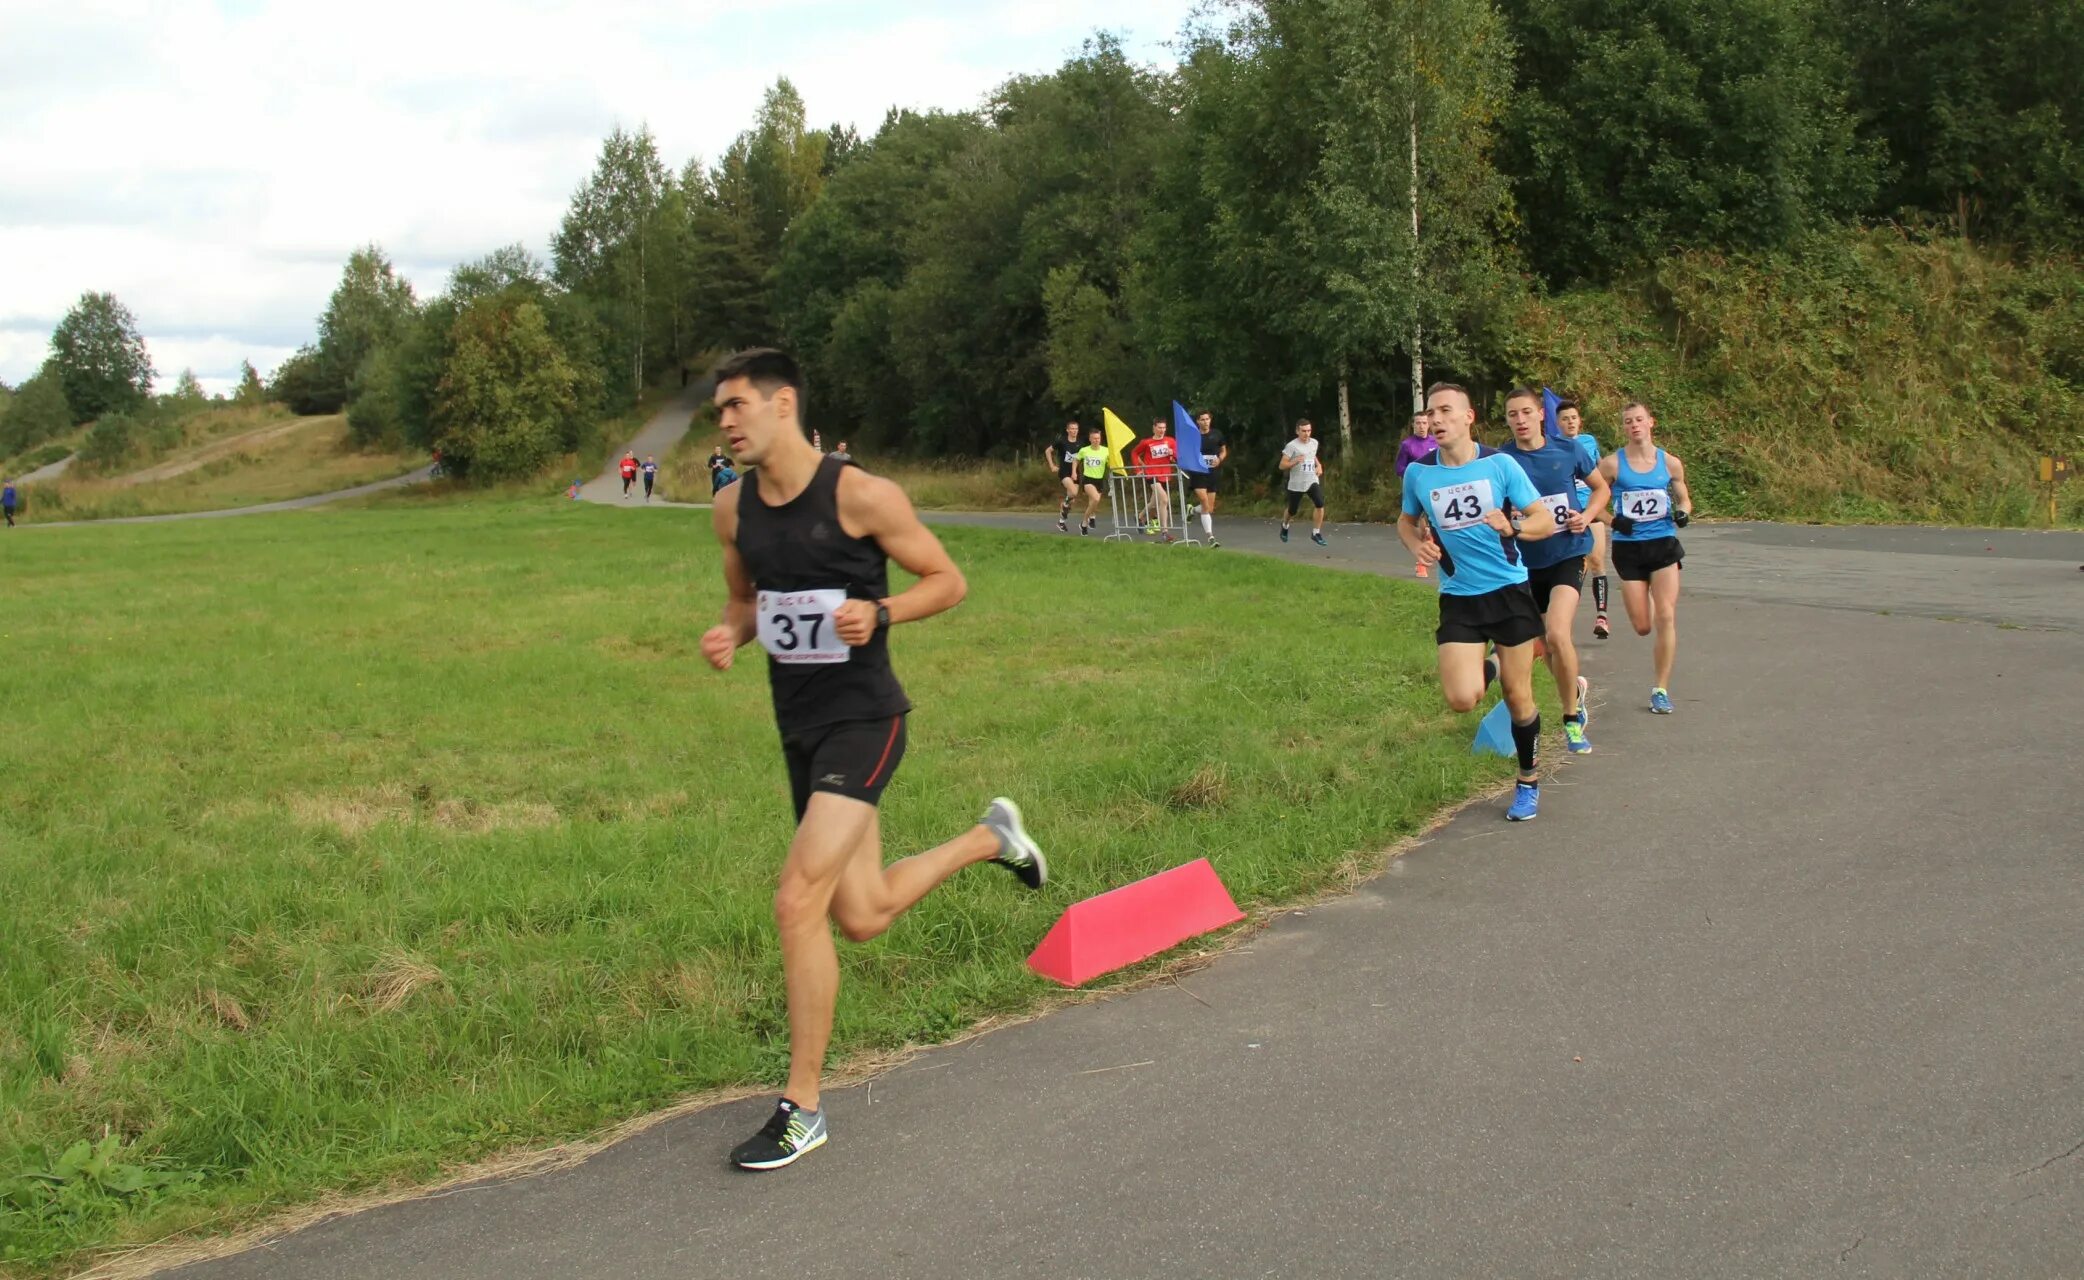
1318	538
1574	737
1526	797
1660	702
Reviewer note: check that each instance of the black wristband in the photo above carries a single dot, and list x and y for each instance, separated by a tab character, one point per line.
1624	524
1682	518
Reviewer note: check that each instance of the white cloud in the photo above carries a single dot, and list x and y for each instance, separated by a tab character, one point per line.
213	164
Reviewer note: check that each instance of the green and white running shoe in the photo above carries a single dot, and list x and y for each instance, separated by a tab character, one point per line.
789	1134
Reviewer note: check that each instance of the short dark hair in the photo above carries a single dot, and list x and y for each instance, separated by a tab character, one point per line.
1439	387
1523	393
1303	422
1565	403
766	368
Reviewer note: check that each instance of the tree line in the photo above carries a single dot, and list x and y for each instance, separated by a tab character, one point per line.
1324	202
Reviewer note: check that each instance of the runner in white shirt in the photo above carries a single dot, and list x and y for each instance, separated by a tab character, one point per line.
1305	479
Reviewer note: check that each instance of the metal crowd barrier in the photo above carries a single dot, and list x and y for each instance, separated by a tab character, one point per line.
1138	502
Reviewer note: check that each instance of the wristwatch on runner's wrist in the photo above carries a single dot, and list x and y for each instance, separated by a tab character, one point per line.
882	615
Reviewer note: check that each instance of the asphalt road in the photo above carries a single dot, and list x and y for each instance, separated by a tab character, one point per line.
1787	983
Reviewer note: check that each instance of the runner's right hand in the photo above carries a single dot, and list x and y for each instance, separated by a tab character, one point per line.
719	646
1428	551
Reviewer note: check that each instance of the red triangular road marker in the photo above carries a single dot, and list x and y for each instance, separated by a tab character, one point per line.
1134	922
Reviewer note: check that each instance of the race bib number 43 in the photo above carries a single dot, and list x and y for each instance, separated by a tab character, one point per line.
1459	506
1646	504
796	626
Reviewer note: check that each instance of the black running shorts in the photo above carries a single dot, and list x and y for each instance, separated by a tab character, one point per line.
853	758
1564	573
1636	560
1315	493
1204	481
1505	617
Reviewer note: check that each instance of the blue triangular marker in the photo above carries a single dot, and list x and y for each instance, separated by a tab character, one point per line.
1549	426
1494	733
1188	433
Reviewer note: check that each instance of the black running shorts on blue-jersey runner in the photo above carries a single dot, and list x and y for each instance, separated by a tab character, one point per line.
1564	573
854	758
1636	561
804	565
1505	617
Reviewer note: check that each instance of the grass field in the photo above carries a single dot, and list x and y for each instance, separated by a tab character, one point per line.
276	457
342	848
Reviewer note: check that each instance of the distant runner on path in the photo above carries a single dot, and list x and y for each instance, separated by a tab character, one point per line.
1305	480
628	468
1572	424
650	475
1414	448
1064	457
7	502
1092	478
1208	482
806	545
1152	459
1651	505
1477	506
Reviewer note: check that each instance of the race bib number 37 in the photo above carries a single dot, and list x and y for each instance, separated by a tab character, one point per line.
1646	504
1459	506
796	626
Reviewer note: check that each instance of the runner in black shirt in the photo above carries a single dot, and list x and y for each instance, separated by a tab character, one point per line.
1063	455
1215	451
806	544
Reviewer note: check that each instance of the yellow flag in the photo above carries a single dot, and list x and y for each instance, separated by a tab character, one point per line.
1119	437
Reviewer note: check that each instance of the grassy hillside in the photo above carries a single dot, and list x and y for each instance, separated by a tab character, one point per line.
1870	376
221	458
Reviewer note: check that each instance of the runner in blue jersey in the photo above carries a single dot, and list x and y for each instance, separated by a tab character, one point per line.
1572	424
1650	505
1556	565
1464	513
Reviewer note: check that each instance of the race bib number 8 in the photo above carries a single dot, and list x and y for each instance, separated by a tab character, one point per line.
796	626
1459	506
1646	504
1559	506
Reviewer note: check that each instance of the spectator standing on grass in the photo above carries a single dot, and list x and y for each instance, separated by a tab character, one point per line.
650	474
717	462
7	500
841	452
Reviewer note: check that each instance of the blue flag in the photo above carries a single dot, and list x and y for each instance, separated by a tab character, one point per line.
1549	401
1189	434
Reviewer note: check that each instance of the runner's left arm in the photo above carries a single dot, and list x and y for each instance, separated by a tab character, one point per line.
880	510
1602	493
1682	497
723	640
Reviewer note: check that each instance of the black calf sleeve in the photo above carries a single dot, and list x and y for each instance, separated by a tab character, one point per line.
1524	737
1599	592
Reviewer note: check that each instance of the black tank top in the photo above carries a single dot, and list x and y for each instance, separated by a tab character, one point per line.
800	546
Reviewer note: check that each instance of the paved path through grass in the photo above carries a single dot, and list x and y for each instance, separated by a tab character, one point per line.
1782	984
657	439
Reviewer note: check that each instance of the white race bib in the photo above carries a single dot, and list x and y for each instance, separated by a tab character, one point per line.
797	626
1458	506
1559	506
1645	504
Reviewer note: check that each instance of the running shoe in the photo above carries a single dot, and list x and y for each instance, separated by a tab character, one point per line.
1284	533
1526	798
1063	526
1167	537
1600	631
1084	529
1152	527
1212	541
1017	852
1660	702
1318	538
1584	702
789	1134
1574	736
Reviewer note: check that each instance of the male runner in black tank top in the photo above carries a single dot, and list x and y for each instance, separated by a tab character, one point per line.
806	542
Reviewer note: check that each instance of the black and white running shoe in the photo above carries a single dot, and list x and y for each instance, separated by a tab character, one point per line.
1017	852
789	1134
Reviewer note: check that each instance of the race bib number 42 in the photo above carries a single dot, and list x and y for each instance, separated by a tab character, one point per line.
1646	504
1459	506
796	626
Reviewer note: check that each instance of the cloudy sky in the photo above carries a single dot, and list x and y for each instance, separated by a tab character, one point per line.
213	162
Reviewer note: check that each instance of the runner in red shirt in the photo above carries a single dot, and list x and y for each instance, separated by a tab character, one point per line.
1154	458
629	472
